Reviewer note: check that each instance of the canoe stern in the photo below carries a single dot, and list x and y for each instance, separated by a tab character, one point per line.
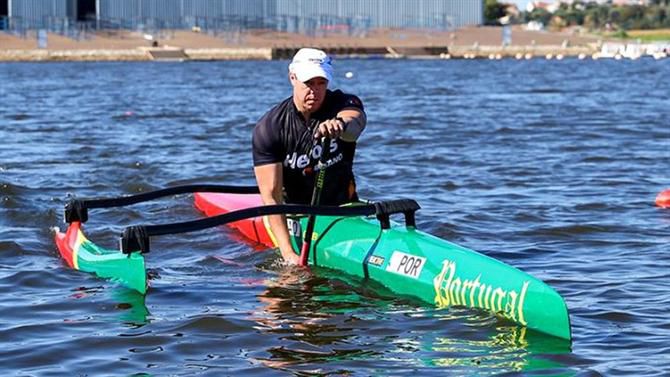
81	254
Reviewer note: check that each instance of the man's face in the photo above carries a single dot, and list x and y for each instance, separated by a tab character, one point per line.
309	95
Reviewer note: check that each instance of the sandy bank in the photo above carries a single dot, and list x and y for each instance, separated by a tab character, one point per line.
263	45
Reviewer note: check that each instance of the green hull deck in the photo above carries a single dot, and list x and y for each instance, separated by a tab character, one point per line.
413	263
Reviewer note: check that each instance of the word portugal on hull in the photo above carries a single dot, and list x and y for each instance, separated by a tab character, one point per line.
358	239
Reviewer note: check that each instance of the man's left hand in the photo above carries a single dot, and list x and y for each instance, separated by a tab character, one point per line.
331	128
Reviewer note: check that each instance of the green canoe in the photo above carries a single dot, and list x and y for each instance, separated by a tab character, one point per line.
407	261
412	263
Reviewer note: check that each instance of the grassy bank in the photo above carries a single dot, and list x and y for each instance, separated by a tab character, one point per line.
654	35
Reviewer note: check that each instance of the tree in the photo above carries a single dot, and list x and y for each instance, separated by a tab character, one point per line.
493	11
596	16
540	15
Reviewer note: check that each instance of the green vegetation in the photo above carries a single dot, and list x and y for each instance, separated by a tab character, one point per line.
645	23
493	11
605	17
600	18
650	35
621	34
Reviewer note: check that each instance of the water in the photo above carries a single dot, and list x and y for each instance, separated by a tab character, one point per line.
551	166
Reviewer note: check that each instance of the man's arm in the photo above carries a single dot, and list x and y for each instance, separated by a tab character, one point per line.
270	183
355	121
347	125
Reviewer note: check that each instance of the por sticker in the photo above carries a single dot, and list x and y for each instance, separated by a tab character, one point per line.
294	228
406	264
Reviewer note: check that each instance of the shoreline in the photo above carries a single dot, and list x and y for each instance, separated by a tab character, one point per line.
219	54
138	55
185	45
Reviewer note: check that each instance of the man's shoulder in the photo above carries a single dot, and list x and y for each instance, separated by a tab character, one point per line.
281	108
338	93
276	113
345	99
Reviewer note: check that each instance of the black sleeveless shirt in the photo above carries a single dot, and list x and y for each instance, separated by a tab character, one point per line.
282	135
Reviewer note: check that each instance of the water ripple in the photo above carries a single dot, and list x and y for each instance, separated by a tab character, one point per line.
549	166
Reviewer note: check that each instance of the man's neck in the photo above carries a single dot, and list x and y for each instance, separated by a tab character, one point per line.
306	115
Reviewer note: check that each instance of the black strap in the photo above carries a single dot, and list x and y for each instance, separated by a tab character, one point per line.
135	238
405	206
77	209
131	241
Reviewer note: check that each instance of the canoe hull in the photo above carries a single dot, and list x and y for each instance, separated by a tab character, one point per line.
407	261
81	254
413	263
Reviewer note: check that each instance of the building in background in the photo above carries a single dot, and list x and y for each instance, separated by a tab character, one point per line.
302	16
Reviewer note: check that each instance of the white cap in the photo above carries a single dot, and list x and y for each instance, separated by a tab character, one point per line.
309	63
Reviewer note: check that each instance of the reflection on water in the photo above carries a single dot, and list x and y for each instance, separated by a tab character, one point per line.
132	306
508	349
338	322
126	305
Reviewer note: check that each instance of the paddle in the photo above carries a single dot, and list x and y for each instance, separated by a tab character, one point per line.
316	200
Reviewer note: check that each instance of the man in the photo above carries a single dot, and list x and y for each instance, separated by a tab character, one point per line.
286	142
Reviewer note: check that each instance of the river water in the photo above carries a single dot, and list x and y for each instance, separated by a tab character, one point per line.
550	166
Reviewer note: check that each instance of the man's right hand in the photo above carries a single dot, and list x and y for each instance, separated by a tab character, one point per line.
270	182
290	257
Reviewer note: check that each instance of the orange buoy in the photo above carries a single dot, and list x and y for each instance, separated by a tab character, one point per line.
663	199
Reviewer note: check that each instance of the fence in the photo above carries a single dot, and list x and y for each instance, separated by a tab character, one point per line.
321	25
24	27
224	25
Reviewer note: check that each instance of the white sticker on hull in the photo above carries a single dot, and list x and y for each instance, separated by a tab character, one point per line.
294	228
406	264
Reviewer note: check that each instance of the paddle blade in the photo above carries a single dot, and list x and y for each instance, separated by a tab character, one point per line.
304	254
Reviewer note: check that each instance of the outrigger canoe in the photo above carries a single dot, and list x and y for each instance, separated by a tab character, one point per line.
359	240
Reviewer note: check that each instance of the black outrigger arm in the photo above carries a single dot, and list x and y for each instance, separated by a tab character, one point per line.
77	209
137	237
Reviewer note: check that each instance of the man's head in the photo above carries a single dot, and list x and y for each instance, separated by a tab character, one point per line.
309	72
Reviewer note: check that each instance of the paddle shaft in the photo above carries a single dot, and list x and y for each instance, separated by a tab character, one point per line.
316	200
